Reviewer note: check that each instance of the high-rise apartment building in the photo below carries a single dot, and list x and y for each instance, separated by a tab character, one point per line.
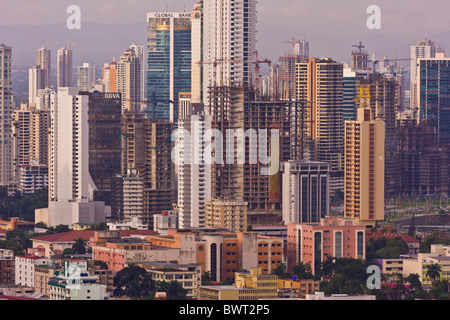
306	194
194	172
30	137
433	101
64	67
196	53
141	53
169	62
128	80
230	214
364	168
379	93
6	109
86	77
349	94
43	60
320	82
36	82
423	49
300	52
229	43
71	187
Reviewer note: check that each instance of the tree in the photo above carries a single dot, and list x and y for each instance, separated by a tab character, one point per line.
433	271
327	267
79	246
206	278
280	270
173	289
302	270
68	252
134	282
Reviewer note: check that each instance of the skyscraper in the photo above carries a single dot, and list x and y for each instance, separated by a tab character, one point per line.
306	191
300	52
364	168
423	49
6	107
194	173
433	97
320	81
128	80
141	53
36	82
43	60
64	67
86	77
71	187
169	61
104	121
229	43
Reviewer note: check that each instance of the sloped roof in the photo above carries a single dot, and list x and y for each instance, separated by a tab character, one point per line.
85	235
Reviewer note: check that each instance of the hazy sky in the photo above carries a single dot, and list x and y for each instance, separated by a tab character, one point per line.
401	17
403	22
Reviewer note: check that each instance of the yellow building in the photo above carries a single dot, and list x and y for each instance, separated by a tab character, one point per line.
298	288
248	286
266	285
439	254
364	168
230	214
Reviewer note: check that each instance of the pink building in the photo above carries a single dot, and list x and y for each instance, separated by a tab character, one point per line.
332	237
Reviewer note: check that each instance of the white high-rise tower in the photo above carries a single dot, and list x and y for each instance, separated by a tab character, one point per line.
71	187
229	43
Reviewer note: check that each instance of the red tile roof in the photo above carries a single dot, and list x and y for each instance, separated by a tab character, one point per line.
85	235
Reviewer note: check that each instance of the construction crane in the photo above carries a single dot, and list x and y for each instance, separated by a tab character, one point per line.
68	43
215	62
360	46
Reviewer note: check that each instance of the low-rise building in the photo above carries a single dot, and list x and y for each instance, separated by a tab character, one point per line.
439	254
391	268
76	283
16	223
250	285
188	275
297	288
321	296
7	267
25	269
333	237
42	275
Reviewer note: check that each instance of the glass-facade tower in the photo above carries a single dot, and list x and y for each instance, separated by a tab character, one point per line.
168	61
434	94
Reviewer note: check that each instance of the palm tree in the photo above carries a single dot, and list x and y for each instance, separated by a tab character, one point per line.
433	271
79	246
327	267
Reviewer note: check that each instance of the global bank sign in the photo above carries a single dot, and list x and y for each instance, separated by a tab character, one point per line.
151	15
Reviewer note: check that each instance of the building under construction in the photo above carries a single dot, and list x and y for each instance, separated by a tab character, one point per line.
148	172
242	172
423	163
381	95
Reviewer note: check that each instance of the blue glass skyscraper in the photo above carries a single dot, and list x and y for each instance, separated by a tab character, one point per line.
168	62
434	94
